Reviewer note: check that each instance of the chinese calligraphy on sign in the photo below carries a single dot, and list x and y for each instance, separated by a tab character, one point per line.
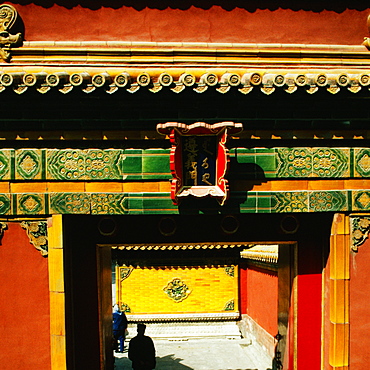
199	158
199	155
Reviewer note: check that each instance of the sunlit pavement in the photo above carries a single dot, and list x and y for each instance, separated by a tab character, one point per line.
203	354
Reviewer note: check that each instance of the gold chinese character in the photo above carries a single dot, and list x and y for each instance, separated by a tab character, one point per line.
189	161
191	145
205	163
205	145
205	178
194	174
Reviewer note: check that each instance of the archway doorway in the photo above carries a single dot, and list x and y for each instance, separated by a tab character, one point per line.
84	297
181	297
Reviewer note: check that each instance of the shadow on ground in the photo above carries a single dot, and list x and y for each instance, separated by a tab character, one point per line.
163	363
209	354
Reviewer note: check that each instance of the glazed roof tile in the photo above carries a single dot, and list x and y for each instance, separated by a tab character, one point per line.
262	253
244	80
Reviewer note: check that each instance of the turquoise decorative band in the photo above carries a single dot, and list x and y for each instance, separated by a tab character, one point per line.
84	164
312	162
160	203
154	164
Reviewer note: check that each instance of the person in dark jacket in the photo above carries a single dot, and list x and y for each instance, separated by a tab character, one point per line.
119	329
141	350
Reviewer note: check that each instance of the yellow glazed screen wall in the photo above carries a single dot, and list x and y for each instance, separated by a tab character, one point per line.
166	290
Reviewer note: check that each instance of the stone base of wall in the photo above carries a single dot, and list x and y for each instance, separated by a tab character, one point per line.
251	330
186	317
179	331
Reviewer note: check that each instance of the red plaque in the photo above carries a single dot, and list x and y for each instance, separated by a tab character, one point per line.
199	159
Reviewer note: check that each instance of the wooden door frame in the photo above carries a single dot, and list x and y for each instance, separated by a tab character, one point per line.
104	264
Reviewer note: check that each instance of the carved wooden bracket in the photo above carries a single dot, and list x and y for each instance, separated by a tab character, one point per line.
360	227
8	16
37	233
3	226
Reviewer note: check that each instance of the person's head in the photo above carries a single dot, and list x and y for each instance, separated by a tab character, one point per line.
116	308
141	329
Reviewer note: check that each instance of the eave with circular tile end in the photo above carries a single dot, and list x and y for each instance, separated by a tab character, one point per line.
133	66
177	247
156	79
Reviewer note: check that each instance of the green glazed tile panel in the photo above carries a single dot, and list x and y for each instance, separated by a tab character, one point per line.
85	164
161	203
243	155
29	164
5	204
69	203
361	162
6	164
328	201
108	204
132	164
248	201
65	164
294	162
103	164
31	204
156	164
135	203
264	203
252	202
295	201
264	158
146	164
361	200
331	162
297	162
313	162
88	164
310	201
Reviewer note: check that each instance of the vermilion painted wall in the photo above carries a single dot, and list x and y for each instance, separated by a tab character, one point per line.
243	271
24	303
360	307
194	21
309	312
326	314
262	298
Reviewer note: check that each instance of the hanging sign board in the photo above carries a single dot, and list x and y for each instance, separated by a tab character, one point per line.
199	159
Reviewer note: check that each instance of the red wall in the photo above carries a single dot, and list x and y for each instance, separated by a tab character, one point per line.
360	307
24	304
309	312
246	22
262	298
243	271
326	314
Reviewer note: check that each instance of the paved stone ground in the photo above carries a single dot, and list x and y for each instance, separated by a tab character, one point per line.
204	354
